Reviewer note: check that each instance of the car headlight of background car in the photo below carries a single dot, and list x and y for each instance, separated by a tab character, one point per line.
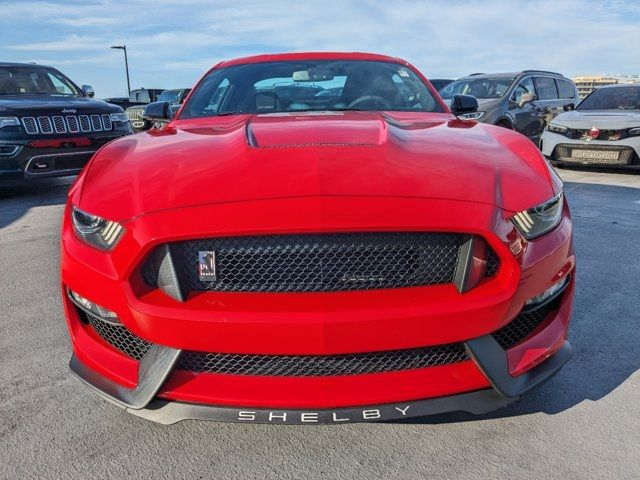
540	219
634	132
552	127
96	231
9	122
119	117
471	116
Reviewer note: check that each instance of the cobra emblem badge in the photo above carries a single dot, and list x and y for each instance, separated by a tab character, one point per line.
207	265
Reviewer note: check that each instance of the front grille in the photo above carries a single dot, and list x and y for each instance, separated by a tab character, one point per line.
323	262
284	365
135	113
73	125
58	124
521	327
579	154
585	134
323	365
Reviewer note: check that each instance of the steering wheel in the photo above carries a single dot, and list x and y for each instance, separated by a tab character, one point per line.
373	99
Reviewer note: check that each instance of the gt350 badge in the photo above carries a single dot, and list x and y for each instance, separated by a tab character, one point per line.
207	265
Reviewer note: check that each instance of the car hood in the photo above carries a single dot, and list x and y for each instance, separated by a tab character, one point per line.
24	104
603	119
251	157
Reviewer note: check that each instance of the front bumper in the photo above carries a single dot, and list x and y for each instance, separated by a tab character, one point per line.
156	368
31	162
319	324
553	145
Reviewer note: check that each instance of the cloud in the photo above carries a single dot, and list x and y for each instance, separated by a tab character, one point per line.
174	42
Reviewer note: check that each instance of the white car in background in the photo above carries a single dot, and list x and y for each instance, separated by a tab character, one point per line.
603	131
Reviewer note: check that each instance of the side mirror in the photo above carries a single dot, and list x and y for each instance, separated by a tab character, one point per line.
526	98
461	104
88	91
157	111
569	106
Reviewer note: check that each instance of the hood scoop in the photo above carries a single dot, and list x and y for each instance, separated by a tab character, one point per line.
315	130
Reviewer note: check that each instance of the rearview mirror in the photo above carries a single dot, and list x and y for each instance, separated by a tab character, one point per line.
526	98
88	91
463	104
569	106
313	75
157	111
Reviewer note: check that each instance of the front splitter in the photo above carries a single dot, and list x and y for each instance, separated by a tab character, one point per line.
478	402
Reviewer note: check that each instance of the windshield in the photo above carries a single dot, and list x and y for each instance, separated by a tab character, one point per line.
34	80
171	96
494	87
613	98
310	85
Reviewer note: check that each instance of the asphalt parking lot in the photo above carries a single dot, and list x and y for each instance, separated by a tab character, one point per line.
585	423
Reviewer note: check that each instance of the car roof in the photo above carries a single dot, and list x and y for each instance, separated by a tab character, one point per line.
512	74
312	56
618	85
15	64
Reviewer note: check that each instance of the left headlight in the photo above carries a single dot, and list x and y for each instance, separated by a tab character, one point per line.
96	231
119	117
471	116
541	219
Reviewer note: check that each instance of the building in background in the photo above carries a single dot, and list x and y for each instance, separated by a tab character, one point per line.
588	84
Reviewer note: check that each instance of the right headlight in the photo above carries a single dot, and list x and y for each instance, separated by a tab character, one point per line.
96	231
540	219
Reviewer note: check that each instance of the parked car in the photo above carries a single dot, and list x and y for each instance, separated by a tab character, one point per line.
361	256
523	101
603	130
139	96
48	125
440	83
174	98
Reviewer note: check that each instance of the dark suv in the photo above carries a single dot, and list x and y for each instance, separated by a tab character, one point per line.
48	125
524	101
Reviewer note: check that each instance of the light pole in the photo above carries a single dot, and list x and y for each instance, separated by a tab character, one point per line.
126	64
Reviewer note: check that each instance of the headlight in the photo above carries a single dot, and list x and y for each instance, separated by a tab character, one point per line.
119	117
471	116
552	127
541	219
9	122
634	131
96	231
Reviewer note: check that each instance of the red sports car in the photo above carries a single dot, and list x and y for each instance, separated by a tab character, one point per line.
317	238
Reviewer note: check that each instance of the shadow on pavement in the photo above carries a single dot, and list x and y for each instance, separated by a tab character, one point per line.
15	201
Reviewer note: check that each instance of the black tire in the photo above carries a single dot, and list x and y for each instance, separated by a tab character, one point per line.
504	124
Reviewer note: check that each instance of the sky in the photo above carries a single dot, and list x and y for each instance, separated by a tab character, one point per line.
172	43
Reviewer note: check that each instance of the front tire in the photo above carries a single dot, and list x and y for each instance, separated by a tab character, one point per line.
504	124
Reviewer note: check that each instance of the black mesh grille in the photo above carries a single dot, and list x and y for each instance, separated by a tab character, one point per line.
524	324
323	262
117	336
284	365
322	365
